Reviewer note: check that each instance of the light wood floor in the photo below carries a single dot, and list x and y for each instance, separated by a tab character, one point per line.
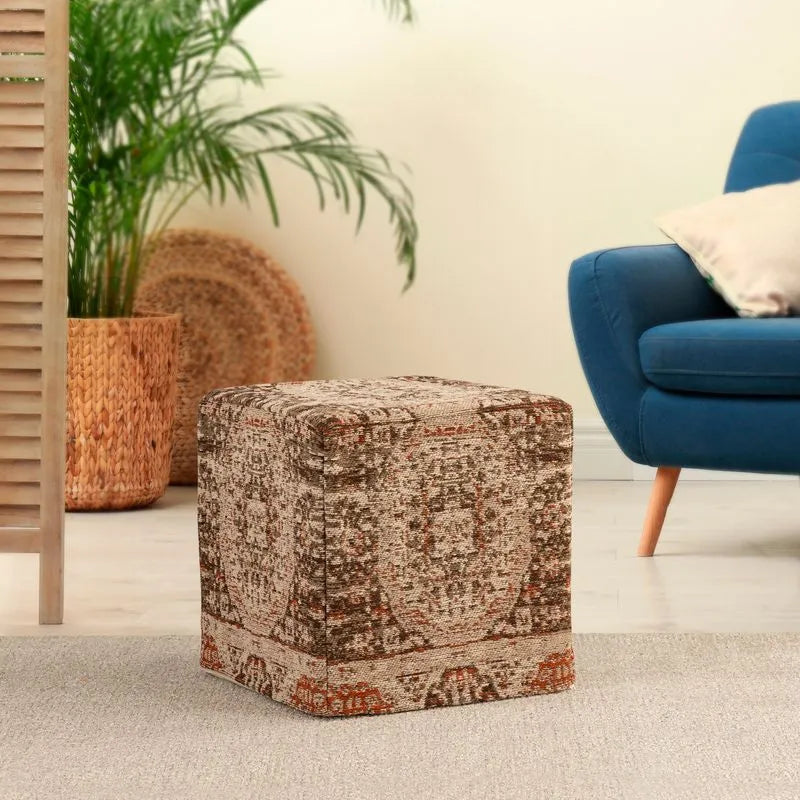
728	560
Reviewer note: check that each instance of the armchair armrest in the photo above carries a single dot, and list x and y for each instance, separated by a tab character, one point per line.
614	296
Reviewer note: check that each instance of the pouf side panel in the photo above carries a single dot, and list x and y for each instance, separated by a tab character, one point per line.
279	672
433	678
262	553
448	557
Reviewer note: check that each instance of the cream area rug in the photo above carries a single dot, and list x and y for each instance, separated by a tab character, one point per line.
651	717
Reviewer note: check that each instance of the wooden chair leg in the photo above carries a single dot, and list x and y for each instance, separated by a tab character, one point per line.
663	488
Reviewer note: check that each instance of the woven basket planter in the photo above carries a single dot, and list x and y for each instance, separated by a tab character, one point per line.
121	387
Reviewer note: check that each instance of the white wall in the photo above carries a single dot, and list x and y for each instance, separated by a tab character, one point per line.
536	132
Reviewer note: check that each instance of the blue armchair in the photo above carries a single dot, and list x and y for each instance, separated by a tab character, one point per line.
678	378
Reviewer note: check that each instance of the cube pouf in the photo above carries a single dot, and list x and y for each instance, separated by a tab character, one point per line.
369	546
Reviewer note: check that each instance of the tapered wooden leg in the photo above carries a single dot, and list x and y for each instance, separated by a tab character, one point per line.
663	488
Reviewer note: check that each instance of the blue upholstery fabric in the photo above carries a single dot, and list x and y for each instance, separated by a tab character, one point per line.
751	434
724	356
616	296
768	150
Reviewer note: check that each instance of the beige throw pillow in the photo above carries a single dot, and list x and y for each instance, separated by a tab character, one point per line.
747	246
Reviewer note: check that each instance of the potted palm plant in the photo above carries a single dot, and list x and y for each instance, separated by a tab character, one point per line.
146	135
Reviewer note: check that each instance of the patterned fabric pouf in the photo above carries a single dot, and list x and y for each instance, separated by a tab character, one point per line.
385	545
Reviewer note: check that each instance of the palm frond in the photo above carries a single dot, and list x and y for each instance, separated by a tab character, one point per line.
399	9
144	139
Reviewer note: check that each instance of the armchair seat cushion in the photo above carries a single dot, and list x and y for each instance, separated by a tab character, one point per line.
724	356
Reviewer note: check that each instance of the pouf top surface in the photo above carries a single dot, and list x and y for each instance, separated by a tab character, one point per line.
325	405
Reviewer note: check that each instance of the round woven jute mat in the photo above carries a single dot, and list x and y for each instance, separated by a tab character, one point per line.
244	321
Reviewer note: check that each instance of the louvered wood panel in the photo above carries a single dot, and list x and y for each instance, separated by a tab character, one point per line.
20	402
15	247
22	5
20	269
22	19
20	159
20	425
33	244
21	335
20	136
22	516
22	291
19	180
22	116
20	447
20	313
21	94
20	203
21	540
22	42
20	494
20	471
20	358
22	66
20	380
21	225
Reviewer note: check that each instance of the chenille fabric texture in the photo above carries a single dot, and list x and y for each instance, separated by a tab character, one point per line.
385	545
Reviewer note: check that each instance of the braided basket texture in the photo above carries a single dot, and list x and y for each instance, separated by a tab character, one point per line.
243	321
121	387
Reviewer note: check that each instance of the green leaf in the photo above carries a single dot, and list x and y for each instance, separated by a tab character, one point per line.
144	139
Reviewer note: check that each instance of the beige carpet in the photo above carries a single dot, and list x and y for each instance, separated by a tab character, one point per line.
655	717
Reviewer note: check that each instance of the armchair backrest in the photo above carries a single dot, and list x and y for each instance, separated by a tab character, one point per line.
768	150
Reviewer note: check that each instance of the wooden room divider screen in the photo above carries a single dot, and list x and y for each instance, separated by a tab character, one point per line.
34	58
